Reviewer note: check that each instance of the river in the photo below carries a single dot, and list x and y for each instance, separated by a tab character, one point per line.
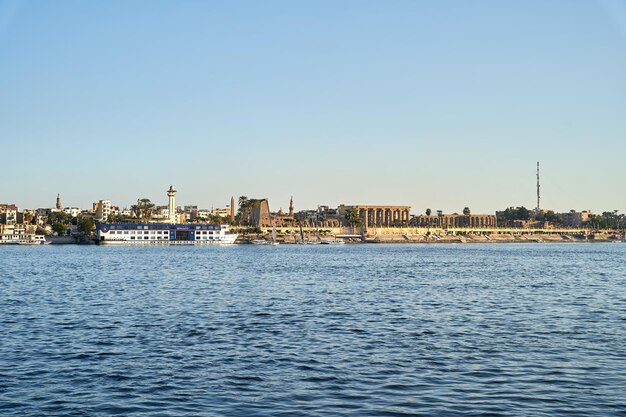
313	330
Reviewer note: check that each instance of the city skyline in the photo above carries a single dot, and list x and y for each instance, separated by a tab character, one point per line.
435	105
59	203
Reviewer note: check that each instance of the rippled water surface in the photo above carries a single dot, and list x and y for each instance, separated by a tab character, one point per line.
354	330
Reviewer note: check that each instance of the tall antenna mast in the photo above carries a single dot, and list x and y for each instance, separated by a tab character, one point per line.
538	186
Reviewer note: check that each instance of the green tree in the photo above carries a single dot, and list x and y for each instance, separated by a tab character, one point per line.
519	213
59	228
242	213
598	222
552	217
523	213
86	225
216	219
116	218
144	209
59	217
351	215
245	207
466	211
611	220
428	211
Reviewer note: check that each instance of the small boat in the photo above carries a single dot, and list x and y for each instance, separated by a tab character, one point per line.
259	242
333	242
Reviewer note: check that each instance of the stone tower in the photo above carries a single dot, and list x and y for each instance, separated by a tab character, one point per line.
291	206
232	210
59	201
171	193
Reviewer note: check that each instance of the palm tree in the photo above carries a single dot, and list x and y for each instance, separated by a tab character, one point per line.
428	221
134	210
245	204
147	208
351	215
144	209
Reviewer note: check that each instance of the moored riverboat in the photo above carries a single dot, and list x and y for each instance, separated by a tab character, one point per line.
18	239
164	234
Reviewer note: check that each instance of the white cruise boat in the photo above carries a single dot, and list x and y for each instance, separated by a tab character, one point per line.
164	234
23	239
34	240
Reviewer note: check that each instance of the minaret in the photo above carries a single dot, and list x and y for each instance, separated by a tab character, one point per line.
232	210
59	201
171	193
291	206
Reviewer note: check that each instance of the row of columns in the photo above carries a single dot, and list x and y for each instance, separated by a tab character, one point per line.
482	221
455	221
384	217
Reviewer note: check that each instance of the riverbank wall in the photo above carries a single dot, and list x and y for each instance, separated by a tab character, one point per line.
430	235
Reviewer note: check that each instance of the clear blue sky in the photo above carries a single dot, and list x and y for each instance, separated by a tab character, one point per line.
434	104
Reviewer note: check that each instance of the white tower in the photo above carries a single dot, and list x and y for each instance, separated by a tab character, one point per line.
171	193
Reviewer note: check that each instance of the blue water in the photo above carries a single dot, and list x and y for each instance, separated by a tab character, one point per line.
353	330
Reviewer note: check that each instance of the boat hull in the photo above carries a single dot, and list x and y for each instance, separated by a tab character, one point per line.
173	243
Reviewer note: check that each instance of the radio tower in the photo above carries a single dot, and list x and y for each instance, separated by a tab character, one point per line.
538	193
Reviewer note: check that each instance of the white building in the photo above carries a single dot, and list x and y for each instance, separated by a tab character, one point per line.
221	212
72	211
103	210
203	214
